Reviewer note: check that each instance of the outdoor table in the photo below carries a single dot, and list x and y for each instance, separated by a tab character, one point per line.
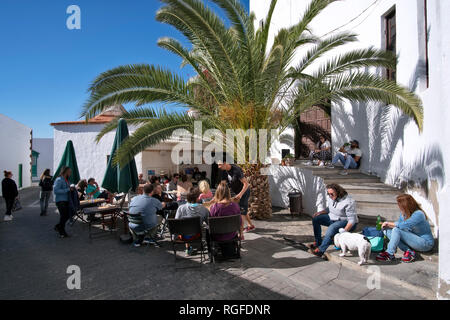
108	216
83	205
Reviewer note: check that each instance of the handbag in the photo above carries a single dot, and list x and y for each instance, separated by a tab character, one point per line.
377	243
16	206
376	238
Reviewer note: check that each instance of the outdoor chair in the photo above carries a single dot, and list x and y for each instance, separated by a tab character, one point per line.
166	215
186	227
224	225
136	218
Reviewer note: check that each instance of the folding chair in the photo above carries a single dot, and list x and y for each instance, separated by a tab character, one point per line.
166	214
186	227
224	225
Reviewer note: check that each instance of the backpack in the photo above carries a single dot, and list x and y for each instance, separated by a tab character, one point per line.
46	184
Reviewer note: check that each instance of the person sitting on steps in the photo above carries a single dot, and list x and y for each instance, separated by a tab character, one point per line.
349	155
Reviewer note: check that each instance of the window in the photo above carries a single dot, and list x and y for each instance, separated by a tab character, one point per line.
391	34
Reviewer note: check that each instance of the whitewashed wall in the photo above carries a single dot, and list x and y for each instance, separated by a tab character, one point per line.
392	147
15	148
45	148
91	156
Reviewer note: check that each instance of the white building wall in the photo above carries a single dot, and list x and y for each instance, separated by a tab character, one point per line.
91	156
45	148
392	147
15	149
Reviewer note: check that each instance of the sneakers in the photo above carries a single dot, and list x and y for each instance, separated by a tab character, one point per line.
247	229
321	164
317	252
409	256
8	217
137	243
343	173
309	163
150	241
312	246
384	256
330	166
189	251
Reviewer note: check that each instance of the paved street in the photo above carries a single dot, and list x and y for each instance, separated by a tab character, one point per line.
33	264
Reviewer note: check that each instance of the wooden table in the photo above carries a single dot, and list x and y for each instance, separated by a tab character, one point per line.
108	219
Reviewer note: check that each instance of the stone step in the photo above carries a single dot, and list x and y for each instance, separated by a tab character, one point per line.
353	178
374	198
370	212
420	276
371	188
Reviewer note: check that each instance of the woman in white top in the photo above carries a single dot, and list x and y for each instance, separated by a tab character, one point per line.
322	152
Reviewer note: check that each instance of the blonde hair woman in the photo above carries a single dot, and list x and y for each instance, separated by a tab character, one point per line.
224	206
411	231
205	191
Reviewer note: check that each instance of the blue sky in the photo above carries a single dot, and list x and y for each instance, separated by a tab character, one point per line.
45	68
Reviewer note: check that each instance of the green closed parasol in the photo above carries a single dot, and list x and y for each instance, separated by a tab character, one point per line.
69	160
120	179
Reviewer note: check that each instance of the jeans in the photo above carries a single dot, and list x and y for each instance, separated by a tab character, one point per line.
406	240
243	203
9	205
44	199
333	229
347	161
64	215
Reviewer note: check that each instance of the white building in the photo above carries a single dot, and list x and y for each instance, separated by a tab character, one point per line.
392	146
44	148
15	154
92	157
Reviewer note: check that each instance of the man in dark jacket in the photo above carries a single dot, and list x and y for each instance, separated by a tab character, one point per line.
10	193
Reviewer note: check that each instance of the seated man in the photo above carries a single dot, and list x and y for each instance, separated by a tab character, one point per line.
146	206
340	213
93	190
173	183
162	197
350	156
189	210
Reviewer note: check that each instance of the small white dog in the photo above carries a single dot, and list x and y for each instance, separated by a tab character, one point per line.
353	241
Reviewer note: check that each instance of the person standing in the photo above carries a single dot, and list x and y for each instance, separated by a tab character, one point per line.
10	193
234	177
46	185
61	190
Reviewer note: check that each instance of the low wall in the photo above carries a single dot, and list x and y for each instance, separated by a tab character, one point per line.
285	179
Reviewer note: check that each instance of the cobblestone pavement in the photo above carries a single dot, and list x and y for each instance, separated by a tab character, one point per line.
34	261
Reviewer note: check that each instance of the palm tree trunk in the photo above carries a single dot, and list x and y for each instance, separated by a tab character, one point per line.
260	203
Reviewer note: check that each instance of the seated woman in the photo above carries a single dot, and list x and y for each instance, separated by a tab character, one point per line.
340	213
322	152
410	233
224	206
189	210
183	187
93	190
206	194
81	189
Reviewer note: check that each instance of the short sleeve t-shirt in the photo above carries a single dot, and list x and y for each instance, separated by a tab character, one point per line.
325	145
354	152
90	188
233	178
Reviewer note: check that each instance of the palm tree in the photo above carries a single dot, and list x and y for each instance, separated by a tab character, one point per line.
243	81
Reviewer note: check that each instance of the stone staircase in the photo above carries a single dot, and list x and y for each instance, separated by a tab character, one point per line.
373	197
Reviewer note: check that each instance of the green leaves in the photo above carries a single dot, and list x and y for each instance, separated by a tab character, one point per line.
242	81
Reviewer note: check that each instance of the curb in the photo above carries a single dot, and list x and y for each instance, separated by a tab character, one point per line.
427	293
